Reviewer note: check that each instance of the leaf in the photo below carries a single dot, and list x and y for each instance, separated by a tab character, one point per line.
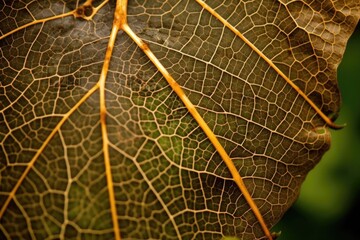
154	119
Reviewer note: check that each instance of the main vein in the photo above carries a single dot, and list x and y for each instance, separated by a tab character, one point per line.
101	86
209	133
102	81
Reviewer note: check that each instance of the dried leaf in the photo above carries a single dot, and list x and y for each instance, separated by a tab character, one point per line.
95	143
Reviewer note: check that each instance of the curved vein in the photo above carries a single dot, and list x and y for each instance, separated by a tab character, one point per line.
43	146
209	133
37	22
104	133
232	75
328	121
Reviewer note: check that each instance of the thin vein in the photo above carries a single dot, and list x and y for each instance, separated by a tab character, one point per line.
43	146
232	75
71	13
209	133
328	121
156	193
68	185
37	22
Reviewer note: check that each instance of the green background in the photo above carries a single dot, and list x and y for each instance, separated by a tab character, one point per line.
328	206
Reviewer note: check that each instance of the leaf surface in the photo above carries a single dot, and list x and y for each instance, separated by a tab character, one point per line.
95	143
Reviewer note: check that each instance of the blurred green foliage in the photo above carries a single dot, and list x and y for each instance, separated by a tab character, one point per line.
329	203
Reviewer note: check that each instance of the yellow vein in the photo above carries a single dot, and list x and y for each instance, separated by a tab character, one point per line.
73	13
43	146
95	9
37	22
115	28
105	135
328	121
209	133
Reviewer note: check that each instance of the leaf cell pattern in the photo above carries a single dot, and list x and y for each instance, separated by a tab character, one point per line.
168	179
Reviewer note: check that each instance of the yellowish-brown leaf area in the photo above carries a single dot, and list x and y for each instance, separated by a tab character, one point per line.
120	24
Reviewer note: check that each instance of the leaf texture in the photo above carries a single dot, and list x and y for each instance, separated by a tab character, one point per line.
167	179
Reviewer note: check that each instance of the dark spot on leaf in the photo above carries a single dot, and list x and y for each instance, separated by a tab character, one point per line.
79	11
88	10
